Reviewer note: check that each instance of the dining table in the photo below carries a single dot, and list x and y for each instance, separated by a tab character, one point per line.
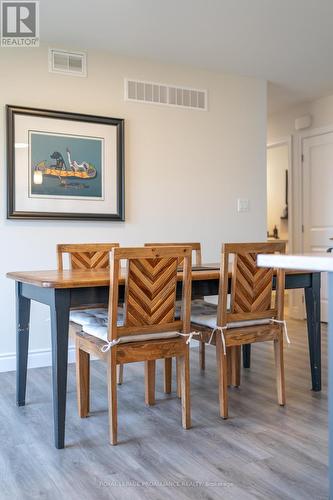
67	289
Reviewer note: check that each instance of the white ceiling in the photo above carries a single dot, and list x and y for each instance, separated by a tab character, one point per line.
287	42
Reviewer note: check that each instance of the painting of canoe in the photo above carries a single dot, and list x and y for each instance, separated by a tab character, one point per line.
63	165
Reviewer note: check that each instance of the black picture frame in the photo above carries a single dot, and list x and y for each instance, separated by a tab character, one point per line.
12	213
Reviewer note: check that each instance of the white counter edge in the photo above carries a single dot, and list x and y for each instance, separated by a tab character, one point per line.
322	262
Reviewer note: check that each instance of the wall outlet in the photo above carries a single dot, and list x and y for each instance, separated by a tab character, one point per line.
243	205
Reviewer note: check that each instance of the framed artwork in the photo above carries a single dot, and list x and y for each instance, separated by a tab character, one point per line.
64	165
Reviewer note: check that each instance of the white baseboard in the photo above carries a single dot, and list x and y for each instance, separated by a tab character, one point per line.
37	358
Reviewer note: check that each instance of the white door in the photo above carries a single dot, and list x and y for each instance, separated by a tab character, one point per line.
318	200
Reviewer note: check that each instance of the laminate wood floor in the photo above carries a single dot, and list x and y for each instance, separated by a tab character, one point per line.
262	452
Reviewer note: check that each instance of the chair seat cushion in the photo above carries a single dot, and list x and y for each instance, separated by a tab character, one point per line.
198	306
209	320
100	331
95	322
87	316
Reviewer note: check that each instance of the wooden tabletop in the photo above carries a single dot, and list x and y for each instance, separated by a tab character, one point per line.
100	277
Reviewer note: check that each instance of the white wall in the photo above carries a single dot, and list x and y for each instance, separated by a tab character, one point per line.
282	124
184	169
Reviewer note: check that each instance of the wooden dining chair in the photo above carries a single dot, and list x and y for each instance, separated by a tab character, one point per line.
148	331
198	303
196	250
255	314
87	256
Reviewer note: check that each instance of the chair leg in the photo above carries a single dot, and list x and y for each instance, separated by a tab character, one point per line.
222	373
120	374
167	375
150	367
235	365
112	396
184	363
229	366
279	365
202	354
178	377
82	381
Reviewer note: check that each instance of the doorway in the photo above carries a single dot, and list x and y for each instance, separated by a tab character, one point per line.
278	180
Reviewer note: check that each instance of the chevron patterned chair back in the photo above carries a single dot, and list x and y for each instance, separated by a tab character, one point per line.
85	255
150	288
251	287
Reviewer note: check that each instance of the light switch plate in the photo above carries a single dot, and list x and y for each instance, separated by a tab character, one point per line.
243	205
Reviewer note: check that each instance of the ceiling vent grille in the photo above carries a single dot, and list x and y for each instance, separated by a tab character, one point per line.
67	63
169	95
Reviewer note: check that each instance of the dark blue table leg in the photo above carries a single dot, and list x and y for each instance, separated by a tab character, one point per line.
330	384
22	344
59	306
246	355
312	301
